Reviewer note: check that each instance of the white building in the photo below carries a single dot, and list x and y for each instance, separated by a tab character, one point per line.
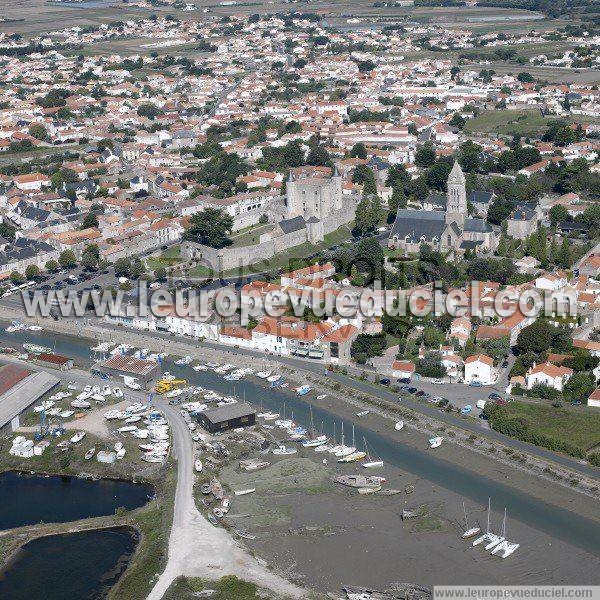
480	368
547	374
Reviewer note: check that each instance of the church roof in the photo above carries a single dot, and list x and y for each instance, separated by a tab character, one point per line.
418	223
477	226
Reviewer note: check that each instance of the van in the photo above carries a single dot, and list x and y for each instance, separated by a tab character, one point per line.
481	404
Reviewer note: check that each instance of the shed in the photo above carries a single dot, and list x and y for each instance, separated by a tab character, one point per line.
224	418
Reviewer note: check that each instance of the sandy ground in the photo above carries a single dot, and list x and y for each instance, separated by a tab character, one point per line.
324	536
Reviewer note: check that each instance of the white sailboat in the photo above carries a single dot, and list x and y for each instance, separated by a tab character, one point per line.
346	450
469	532
370	463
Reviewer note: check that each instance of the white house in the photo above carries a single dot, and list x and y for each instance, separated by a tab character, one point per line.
549	375
551	281
480	368
403	369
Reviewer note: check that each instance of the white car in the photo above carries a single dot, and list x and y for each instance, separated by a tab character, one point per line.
438	382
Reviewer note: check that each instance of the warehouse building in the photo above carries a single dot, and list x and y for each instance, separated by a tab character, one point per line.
224	418
19	389
127	368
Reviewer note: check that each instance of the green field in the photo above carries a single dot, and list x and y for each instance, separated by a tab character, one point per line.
509	122
578	425
168	258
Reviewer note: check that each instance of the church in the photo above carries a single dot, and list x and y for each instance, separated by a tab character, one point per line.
449	231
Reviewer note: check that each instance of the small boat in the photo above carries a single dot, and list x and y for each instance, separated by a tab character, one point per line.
198	465
36	348
303	390
133	419
318	441
77	437
469	531
127	429
322	397
505	549
409	514
35	328
244	534
200	368
120	453
270	416
465	410
45	405
362	413
263	374
354	456
364	491
80	404
90	453
284	451
212	519
106	391
273	378
435	442
399	425
98	398
118	446
244	492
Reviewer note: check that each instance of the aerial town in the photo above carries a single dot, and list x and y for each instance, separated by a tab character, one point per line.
298	300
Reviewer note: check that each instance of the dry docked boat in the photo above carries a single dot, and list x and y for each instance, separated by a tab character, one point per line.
359	481
284	451
198	465
399	425
244	492
90	453
369	490
77	437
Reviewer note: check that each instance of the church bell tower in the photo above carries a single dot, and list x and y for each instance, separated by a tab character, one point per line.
456	201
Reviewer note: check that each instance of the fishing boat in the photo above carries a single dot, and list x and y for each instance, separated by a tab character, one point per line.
435	442
282	450
303	390
198	465
399	425
370	463
469	531
77	437
90	453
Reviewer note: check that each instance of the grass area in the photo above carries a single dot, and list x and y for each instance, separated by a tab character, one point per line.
226	588
577	425
509	122
151	554
250	236
171	256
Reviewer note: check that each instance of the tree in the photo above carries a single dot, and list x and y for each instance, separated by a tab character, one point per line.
122	267
580	386
51	265
376	210
90	220
362	217
210	227
16	277
457	121
67	259
558	214
160	273
38	131
148	110
31	272
525	77
358	151
536	338
565	259
425	155
362	174
396	201
90	257
318	156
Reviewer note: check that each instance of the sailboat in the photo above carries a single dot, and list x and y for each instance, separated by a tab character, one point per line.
346	451
498	539
370	463
314	441
488	538
469	532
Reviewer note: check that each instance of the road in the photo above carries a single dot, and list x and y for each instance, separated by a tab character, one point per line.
196	548
452	392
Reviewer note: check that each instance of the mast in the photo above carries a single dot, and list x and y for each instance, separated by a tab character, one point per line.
465	513
343	433
488	518
504	524
353	443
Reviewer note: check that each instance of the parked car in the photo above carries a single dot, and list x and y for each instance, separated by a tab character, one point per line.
476	384
384	381
501	402
412	390
438	381
494	396
420	393
404	380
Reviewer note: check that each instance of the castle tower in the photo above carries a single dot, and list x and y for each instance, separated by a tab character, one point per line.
456	202
336	181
